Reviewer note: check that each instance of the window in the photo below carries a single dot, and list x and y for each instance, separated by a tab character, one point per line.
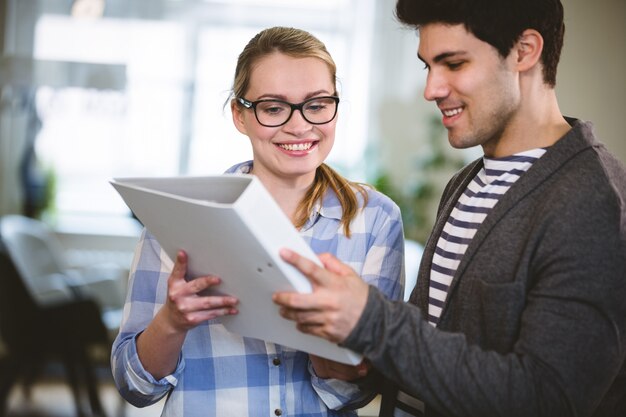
168	116
90	135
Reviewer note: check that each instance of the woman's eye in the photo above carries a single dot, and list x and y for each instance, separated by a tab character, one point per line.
315	107
273	108
320	105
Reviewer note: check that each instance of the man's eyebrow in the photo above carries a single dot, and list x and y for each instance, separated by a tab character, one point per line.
442	56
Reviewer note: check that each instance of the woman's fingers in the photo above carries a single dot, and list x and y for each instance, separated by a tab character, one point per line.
188	304
180	268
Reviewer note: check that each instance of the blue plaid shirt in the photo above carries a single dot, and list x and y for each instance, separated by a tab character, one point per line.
223	374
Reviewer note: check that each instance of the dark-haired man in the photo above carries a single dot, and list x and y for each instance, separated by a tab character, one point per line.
519	308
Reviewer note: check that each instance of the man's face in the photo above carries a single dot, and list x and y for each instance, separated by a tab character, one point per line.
476	89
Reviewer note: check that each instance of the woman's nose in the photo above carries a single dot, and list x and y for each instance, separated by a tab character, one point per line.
297	123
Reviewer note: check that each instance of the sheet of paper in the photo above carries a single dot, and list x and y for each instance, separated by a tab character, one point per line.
230	226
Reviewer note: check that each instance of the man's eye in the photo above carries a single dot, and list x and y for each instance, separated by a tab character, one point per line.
454	65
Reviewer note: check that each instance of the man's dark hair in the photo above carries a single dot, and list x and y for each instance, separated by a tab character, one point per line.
500	23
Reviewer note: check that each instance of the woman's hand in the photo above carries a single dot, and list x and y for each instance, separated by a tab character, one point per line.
187	305
160	344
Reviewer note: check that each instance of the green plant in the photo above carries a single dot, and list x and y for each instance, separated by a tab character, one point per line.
434	164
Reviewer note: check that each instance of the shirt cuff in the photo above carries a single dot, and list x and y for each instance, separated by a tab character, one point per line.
336	394
142	381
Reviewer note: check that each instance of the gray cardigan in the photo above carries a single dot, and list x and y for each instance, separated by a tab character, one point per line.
535	321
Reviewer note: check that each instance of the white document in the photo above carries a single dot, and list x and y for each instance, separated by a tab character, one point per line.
230	226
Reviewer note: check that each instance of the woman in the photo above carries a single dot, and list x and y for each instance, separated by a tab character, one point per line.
171	341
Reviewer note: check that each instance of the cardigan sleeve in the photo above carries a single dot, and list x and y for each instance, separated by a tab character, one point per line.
539	329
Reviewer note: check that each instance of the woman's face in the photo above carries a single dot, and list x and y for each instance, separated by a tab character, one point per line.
294	150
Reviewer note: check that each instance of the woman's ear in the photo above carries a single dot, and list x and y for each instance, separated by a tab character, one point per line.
528	49
238	116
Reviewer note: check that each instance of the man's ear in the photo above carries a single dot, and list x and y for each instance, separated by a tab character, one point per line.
528	49
238	117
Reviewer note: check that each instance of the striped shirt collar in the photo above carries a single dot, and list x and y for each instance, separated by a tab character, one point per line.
525	157
516	164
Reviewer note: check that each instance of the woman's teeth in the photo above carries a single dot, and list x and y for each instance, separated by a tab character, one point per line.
296	146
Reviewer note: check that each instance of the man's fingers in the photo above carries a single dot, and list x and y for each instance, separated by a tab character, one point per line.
314	329
293	302
308	317
318	330
333	264
310	269
315	273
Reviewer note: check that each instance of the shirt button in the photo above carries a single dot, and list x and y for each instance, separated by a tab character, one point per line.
278	412
276	361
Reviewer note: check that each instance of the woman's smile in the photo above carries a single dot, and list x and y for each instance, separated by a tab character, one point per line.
297	148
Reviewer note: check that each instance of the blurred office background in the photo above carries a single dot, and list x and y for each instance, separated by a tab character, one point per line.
96	89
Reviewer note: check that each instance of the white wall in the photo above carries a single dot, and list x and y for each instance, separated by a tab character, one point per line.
590	82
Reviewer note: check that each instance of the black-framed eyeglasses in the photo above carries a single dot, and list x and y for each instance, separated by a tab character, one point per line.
274	113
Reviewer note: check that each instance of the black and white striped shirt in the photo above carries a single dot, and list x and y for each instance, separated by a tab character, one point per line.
480	196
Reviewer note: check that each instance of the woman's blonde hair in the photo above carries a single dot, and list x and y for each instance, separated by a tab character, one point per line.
298	43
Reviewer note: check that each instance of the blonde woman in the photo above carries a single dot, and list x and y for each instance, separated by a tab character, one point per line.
285	100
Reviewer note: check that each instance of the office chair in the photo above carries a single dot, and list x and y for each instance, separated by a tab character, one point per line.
40	258
46	316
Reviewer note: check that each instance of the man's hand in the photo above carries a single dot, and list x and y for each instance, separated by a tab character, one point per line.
334	307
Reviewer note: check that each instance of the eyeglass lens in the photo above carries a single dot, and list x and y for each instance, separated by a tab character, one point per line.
275	113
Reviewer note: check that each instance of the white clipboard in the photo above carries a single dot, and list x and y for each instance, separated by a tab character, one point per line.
230	226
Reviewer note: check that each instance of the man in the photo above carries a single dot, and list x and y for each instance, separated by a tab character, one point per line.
520	303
